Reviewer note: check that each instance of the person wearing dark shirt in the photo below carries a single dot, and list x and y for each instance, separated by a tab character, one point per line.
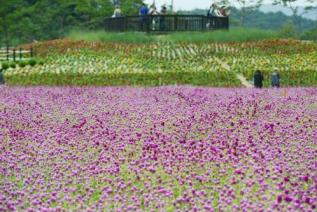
1	77
258	79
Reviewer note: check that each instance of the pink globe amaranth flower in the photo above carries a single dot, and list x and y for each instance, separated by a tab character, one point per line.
305	178
288	198
279	198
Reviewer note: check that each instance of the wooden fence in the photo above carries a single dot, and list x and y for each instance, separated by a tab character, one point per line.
166	23
15	54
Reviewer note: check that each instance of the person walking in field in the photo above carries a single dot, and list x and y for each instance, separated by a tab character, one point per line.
275	79
1	77
258	79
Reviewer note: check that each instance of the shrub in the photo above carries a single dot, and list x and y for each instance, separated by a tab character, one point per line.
5	66
310	35
12	65
288	31
32	63
22	64
41	62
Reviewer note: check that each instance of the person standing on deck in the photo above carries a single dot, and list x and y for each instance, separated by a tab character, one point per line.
153	12
212	11
162	18
117	12
143	12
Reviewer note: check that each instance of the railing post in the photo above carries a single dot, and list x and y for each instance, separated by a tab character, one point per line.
14	55
20	54
175	23
203	25
7	56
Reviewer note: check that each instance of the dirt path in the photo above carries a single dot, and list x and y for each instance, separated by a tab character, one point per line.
239	76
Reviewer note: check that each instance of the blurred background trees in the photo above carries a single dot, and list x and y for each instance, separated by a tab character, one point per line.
24	21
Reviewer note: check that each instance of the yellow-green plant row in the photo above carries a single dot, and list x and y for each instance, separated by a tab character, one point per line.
210	64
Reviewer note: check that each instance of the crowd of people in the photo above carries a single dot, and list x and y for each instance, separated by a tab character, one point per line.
217	11
144	10
214	10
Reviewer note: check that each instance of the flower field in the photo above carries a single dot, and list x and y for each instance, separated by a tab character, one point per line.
206	64
162	149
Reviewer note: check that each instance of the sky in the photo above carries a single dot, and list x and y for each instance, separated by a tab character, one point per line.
202	4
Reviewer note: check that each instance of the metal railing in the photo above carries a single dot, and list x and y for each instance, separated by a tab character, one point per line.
166	23
15	54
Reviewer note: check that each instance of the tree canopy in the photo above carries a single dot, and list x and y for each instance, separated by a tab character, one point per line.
28	20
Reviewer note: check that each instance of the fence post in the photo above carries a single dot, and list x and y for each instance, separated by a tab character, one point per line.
20	56
14	55
203	25
175	23
7	52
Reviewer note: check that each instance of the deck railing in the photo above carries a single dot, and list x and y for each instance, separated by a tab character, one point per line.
166	23
15	54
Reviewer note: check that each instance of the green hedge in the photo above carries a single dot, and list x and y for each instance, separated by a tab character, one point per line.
215	79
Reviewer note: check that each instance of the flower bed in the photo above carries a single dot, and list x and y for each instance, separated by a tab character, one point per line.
93	63
168	148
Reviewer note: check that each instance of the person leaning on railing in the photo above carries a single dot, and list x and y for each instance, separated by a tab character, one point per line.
143	12
153	12
224	12
117	12
162	18
215	11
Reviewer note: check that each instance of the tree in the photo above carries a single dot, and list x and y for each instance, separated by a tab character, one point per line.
296	14
6	9
130	7
247	7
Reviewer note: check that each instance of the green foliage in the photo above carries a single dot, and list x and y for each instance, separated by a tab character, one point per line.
235	34
288	31
22	21
12	65
22	64
32	62
5	66
214	79
130	7
129	37
310	35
